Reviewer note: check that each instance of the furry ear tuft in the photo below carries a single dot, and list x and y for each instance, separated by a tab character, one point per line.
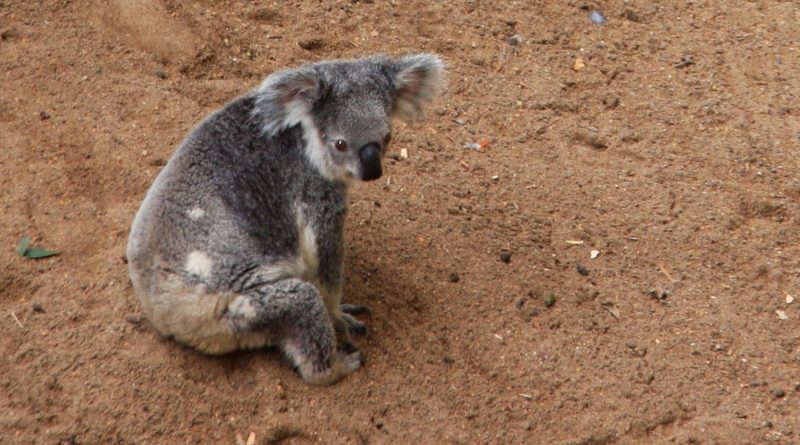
285	98
418	79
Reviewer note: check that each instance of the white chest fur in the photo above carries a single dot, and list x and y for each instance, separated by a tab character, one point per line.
307	254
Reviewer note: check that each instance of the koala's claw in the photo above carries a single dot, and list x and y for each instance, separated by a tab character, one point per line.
354	326
347	347
354	309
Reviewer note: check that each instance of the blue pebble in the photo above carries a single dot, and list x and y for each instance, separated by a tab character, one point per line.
597	18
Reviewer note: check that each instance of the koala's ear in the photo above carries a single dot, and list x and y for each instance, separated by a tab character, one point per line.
418	79
285	98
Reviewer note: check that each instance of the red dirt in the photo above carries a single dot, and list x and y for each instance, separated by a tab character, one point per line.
674	152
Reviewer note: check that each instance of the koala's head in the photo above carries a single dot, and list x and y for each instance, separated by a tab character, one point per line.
346	107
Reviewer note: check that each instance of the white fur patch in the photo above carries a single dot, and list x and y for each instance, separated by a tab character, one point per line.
242	306
308	243
318	154
200	264
196	213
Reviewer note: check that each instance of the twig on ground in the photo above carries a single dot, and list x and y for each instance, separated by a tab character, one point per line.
14	316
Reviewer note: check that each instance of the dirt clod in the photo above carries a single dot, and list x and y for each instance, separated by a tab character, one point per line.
454	277
611	101
505	256
311	44
583	270
590	138
8	33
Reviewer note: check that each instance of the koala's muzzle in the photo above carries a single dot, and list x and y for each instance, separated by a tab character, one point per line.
370	156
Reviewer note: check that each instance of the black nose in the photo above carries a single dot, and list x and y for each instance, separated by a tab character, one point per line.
370	156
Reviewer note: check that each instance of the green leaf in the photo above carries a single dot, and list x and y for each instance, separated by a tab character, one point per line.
23	245
35	253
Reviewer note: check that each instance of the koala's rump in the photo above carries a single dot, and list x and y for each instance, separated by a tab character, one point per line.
218	219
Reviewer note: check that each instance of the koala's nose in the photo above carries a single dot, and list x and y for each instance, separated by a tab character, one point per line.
370	156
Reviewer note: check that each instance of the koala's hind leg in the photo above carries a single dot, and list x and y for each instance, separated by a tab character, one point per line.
293	313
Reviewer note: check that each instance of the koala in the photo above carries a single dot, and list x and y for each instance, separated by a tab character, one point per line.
238	243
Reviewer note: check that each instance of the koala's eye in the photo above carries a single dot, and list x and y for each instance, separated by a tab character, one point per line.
387	139
340	145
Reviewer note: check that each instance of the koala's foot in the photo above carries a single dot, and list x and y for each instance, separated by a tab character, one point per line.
346	326
353	325
293	313
341	364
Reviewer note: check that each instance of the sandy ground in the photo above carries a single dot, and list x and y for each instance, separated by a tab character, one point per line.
668	140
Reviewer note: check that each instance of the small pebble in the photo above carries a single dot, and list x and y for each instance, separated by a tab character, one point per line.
579	64
658	294
453	277
779	393
597	18
789	299
782	315
37	308
594	254
505	256
549	300
403	153
472	146
582	269
515	40
44	115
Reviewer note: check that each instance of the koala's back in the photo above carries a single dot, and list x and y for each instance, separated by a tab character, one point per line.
222	203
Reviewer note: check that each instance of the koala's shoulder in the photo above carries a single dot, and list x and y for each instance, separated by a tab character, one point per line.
233	121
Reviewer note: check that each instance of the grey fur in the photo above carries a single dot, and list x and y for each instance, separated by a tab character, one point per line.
238	243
